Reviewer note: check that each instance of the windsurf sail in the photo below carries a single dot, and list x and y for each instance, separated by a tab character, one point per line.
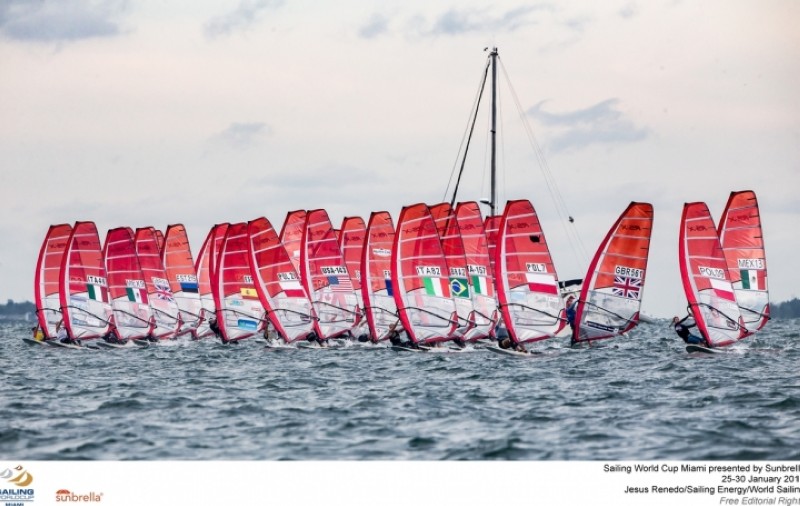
351	243
743	244
204	266
292	235
420	278
325	277
127	290
166	315
611	295
159	239
453	247
377	291
484	314
704	273
83	293
491	226
46	284
176	255
278	283
239	311
526	279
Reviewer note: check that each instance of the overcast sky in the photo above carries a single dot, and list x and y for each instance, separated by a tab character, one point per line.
198	112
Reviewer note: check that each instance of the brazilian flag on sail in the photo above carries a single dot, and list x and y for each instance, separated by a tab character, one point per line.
459	287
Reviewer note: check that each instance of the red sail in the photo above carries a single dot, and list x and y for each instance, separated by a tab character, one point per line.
278	283
325	277
743	244
611	295
205	264
419	274
239	310
126	286
706	282
351	242
376	286
83	293
292	235
46	283
159	293
479	271
526	279
491	226
180	267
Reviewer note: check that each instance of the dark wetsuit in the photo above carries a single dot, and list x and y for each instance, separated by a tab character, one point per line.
689	338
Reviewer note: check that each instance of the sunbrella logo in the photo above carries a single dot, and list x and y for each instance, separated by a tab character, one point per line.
65	495
20	477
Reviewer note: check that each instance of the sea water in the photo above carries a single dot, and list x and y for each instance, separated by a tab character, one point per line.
635	397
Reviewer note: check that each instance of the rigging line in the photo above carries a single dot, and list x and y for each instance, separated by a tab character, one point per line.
552	187
465	138
523	306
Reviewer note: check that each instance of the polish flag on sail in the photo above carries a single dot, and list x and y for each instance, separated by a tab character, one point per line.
722	288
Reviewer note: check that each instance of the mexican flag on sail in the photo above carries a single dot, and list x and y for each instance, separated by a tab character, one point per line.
137	294
754	279
437	286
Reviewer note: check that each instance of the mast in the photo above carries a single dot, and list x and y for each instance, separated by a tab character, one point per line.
493	196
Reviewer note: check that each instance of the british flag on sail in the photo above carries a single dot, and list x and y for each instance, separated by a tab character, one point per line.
163	291
627	287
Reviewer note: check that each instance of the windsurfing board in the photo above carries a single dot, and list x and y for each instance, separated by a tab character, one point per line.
696	348
105	344
59	344
406	348
510	353
31	341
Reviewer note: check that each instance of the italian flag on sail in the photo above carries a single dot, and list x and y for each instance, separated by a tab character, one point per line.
754	279
97	292
137	294
437	286
480	285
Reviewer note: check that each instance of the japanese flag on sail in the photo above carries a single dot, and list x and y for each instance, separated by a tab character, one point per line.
439	287
542	283
754	279
137	294
97	292
722	288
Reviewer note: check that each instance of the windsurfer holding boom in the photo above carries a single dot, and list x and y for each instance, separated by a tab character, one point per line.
682	330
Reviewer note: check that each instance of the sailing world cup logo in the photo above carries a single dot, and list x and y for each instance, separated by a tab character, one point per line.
22	479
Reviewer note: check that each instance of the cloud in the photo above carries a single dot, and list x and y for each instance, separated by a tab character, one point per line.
241	18
377	25
601	123
629	10
456	22
243	135
59	21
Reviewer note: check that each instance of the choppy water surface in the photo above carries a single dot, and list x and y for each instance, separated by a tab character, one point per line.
636	397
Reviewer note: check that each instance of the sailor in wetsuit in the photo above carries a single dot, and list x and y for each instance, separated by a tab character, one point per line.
682	330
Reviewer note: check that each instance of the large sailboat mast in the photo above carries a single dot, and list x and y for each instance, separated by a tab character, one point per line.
493	196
